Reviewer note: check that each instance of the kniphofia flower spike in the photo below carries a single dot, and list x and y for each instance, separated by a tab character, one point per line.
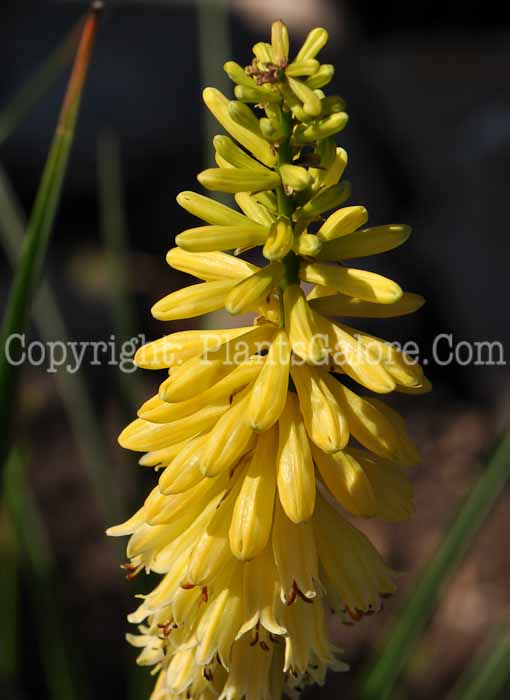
265	436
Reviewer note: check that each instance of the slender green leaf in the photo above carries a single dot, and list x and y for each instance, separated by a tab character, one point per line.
115	238
22	102
29	270
490	671
9	663
78	404
378	683
54	647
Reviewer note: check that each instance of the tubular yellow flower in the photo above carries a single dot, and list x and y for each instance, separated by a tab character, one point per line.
253	427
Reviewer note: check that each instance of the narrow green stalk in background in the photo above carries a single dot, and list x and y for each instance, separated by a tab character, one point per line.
114	233
80	409
379	682
29	270
22	102
58	664
486	677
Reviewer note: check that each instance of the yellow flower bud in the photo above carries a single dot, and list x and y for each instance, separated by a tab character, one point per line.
280	240
299	322
324	200
320	130
323	76
219	106
253	290
355	283
210	266
195	300
209	210
235	156
313	43
294	177
298	69
307	245
342	222
295	471
269	392
367	241
238	180
211	238
253	512
280	42
311	102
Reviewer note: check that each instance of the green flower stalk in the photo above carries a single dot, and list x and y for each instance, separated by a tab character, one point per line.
264	449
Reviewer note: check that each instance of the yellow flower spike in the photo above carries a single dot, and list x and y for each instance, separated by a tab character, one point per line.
299	69
324	420
210	267
333	304
209	210
365	242
141	436
205	239
347	482
299	322
280	42
296	558
311	102
253	290
228	440
250	527
218	105
195	300
342	222
176	348
235	527
323	77
356	283
235	156
280	240
238	180
254	210
261	595
269	391
325	200
307	245
313	43
295	472
295	178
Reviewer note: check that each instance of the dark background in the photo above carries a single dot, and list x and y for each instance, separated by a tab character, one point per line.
428	94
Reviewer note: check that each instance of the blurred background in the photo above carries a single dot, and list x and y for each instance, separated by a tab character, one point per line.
428	93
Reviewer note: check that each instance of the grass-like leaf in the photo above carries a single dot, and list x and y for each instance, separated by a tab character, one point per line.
22	102
487	676
378	683
29	270
84	423
58	665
